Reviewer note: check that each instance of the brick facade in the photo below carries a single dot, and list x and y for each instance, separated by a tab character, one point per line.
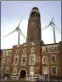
43	61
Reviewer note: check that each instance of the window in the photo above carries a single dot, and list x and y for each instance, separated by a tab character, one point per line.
43	49
15	70
7	69
32	70
53	59
54	70
9	53
24	51
44	60
32	59
3	61
32	50
8	61
2	69
3	54
23	60
45	70
16	60
17	51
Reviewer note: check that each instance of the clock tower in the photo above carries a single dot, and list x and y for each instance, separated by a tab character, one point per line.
34	26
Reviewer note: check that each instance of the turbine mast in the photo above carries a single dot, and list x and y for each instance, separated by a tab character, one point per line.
18	38
54	34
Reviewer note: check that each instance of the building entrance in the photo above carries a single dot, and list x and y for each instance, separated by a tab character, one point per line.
22	74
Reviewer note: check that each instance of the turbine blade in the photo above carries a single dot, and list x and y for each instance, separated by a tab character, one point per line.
46	27
20	22
22	34
10	33
53	17
57	29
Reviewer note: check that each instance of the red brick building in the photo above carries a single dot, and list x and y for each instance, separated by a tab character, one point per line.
33	58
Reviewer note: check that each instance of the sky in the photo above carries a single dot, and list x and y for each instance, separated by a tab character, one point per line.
13	11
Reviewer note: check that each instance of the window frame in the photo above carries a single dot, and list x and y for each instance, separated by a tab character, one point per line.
32	49
15	67
8	69
23	64
32	70
56	70
18	59
17	51
8	60
9	53
32	63
44	56
51	59
3	62
43	49
24	50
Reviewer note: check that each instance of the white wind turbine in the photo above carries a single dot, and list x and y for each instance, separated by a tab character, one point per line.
51	23
19	32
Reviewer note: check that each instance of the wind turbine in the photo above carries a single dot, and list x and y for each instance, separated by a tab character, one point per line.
19	32
51	23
